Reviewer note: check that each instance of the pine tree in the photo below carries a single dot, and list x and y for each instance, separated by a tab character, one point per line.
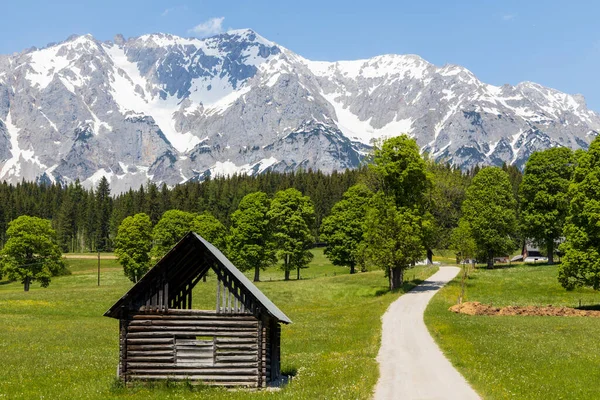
103	215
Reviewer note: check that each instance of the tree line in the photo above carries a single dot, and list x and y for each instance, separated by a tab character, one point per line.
388	214
87	219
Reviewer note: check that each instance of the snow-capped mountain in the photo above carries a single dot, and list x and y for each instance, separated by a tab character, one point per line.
169	109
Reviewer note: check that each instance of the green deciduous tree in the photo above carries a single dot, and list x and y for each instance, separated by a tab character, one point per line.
403	175
250	243
211	229
133	244
581	262
402	171
169	230
392	239
31	252
490	209
462	241
343	229
444	200
292	215
544	196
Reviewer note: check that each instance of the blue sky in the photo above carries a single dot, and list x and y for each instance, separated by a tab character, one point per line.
555	43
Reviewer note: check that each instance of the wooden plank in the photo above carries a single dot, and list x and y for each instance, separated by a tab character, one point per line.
218	308
194	355
236	347
155	365
150	353
200	371
215	322
208	362
189	314
207	377
237	353
236	358
150	347
153	336
223	340
157	340
248	384
159	359
194	347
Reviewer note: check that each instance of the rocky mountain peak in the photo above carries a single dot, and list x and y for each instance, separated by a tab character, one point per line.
170	109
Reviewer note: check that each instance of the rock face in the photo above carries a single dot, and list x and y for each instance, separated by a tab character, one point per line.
169	109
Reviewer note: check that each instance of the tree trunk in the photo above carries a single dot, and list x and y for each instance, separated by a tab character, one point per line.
27	283
551	252
396	276
429	256
298	273
256	274
287	275
352	269
490	261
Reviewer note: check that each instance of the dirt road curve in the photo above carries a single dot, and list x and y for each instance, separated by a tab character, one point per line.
411	365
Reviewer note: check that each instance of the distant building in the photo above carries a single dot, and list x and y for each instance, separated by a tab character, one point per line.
530	254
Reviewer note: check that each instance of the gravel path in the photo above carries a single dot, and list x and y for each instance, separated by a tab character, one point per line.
411	365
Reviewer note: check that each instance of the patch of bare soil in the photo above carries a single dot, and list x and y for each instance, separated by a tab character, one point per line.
476	308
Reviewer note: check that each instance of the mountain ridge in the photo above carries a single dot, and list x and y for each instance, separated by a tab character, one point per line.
169	109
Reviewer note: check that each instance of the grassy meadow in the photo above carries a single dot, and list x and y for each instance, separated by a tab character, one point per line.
55	343
520	357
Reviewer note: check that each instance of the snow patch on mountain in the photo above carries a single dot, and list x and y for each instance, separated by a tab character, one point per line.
171	109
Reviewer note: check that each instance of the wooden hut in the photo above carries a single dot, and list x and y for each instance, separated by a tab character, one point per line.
162	337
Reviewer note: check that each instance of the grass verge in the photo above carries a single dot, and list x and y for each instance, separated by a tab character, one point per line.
520	357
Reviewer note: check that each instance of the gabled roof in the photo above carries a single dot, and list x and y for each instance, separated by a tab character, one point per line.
190	258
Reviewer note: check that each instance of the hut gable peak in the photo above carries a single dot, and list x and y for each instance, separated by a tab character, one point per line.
168	285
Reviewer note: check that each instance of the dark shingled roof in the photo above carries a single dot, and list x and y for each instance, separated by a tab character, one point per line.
185	255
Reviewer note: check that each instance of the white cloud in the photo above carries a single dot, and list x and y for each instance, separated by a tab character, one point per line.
508	17
173	9
207	28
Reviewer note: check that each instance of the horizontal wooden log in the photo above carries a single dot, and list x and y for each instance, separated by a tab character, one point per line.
198	371
195	363
151	347
193	380
150	359
195	349
194	356
156	365
206	328
203	322
233	340
150	341
175	313
212	378
251	358
151	353
193	342
246	353
149	336
235	346
170	366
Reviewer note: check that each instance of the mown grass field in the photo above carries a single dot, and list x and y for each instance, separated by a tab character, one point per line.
55	344
520	357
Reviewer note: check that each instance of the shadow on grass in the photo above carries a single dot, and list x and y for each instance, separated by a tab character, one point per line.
289	371
406	286
593	307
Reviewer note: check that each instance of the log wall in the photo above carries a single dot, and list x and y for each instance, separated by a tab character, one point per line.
218	349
